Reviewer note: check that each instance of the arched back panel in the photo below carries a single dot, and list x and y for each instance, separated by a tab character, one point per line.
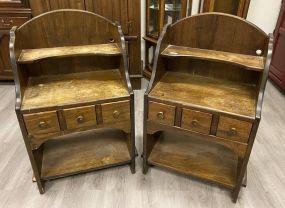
221	32
56	28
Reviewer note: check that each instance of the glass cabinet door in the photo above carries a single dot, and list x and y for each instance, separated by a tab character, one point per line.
153	18
172	11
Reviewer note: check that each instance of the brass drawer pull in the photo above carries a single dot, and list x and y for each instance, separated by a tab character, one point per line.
116	114
195	123
80	119
160	115
42	125
232	132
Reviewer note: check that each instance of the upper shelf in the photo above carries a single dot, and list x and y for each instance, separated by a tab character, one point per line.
255	63
32	55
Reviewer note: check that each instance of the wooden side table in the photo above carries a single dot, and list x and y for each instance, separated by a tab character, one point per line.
74	100
203	103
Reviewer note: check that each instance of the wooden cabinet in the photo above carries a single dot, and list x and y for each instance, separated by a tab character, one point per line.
277	68
5	65
234	7
126	13
74	100
112	9
39	7
203	103
12	13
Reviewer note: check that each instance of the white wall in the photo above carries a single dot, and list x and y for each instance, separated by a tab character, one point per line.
263	13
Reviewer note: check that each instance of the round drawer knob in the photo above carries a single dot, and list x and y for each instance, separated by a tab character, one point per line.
233	132
116	114
195	123
42	125
80	119
160	115
111	40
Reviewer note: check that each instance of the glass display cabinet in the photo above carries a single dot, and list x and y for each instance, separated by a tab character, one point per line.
158	14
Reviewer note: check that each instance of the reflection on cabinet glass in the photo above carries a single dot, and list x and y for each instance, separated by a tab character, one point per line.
172	10
161	12
153	18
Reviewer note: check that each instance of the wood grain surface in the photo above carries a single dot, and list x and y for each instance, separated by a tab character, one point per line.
195	157
242	129
116	112
196	121
80	117
250	62
31	55
60	90
161	113
48	120
116	187
219	95
70	155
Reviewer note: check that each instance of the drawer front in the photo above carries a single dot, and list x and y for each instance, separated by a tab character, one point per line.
80	117
161	113
116	112
41	123
196	121
234	129
9	22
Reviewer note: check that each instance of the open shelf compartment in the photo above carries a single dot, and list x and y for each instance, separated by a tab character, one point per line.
206	92
64	89
32	55
93	150
195	157
255	63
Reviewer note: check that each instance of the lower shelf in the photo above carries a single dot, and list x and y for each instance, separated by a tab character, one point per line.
196	158
87	151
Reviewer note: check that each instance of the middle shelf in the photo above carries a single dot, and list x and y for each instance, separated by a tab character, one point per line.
255	63
212	93
32	55
64	89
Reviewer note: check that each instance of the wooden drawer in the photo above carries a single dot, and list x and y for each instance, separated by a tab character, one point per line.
41	123
116	112
234	129
161	113
9	22
80	117
196	121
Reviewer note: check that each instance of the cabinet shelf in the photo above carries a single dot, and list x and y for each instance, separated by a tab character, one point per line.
195	157
32	55
168	7
255	63
216	94
94	150
64	89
